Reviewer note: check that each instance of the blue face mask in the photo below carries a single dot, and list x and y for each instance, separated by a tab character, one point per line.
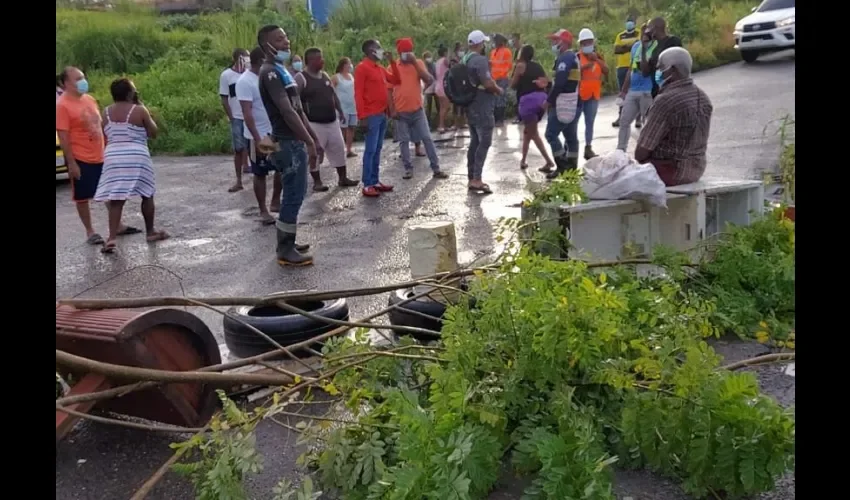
280	56
556	49
630	25
659	77
588	49
82	86
297	65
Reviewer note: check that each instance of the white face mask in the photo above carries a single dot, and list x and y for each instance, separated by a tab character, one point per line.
407	56
428	59
379	53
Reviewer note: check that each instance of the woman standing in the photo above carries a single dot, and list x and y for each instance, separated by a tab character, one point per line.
343	82
459	112
430	89
442	67
530	83
127	165
593	70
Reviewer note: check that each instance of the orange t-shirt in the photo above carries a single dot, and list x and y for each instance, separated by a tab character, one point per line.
80	117
407	96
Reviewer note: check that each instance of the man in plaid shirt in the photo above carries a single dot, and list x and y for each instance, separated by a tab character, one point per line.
675	135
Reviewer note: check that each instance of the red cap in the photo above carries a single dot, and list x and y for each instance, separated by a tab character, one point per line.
562	35
404	45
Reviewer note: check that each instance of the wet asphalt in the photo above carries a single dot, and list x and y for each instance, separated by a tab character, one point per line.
218	248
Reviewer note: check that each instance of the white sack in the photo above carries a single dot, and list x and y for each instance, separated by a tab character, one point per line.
615	176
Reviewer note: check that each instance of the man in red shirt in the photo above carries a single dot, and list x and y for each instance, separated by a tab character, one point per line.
371	85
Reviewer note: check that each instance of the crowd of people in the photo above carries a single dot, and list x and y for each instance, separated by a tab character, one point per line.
288	116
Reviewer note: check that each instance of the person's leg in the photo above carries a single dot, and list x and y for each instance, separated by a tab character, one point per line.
470	153
348	133
621	80
114	210
291	160
239	158
485	139
260	171
322	130
526	141
274	205
82	192
534	135
335	152
421	129
443	108
644	103
568	160
553	131
376	169
631	108
148	213
84	212
589	109
370	153
418	149
406	163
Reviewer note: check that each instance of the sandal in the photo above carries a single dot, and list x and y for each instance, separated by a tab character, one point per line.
235	189
129	230
546	169
95	239
267	219
157	236
109	247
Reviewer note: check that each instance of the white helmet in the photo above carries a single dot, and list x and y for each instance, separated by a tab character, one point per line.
585	34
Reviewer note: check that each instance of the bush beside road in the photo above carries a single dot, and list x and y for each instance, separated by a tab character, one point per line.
176	60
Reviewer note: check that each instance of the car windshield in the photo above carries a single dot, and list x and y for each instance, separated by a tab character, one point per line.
775	5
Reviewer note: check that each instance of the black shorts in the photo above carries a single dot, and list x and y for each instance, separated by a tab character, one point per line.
260	163
84	188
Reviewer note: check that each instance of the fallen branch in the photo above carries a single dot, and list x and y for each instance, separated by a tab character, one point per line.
152	481
758	360
126	423
265	300
133	373
354	324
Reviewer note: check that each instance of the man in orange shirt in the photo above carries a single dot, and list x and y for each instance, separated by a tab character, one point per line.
411	123
371	96
501	61
80	130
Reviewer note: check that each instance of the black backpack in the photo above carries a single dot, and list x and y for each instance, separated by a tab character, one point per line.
458	86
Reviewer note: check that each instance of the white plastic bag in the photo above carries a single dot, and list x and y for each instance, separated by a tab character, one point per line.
615	176
566	107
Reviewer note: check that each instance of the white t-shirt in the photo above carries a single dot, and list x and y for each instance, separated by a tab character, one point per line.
227	87
248	89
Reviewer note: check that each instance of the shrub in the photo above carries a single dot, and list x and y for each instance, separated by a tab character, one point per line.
176	60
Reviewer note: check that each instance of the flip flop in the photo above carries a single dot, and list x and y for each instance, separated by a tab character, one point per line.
267	221
109	247
95	239
157	236
129	230
235	189
407	175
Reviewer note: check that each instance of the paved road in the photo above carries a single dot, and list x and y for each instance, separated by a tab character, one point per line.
219	249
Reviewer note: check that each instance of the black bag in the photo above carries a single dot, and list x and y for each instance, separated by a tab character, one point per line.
458	86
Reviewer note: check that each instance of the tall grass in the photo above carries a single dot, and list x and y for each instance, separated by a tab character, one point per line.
175	61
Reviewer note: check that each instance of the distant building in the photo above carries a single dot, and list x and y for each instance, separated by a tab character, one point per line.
488	10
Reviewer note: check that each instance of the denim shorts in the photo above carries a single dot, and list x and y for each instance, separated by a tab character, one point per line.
260	163
237	135
350	121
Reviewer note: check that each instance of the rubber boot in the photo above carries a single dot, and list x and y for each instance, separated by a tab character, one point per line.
616	123
344	181
562	164
287	254
317	182
588	153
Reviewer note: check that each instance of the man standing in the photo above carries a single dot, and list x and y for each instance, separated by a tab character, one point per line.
324	112
516	45
480	113
501	61
567	78
637	89
227	92
257	127
295	146
80	131
658	31
371	95
623	44
675	137
411	123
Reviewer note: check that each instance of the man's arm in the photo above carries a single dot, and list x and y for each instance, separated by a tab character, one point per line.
393	75
224	93
359	86
519	69
646	65
424	75
337	104
627	83
654	130
63	125
246	102
481	66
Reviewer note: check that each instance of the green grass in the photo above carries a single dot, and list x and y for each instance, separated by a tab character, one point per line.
175	61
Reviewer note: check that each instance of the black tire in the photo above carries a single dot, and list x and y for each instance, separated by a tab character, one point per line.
285	328
749	56
398	316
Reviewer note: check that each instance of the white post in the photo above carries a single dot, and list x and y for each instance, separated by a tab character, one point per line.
432	248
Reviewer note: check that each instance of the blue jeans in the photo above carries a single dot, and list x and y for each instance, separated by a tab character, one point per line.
554	128
480	139
588	109
291	162
413	127
376	129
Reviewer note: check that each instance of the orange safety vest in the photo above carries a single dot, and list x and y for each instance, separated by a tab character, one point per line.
501	61
591	80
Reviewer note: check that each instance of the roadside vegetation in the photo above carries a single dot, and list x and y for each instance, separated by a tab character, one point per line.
561	371
176	60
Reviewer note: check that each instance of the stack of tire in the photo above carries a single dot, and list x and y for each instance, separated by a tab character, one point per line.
282	326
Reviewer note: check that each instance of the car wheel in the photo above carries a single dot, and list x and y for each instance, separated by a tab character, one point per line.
398	316
282	326
749	56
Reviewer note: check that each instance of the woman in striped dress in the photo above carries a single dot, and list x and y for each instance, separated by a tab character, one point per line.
127	164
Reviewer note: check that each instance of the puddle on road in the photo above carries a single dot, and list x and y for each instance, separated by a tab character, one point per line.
197	242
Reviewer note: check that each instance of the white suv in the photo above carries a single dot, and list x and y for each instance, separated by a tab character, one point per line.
770	28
